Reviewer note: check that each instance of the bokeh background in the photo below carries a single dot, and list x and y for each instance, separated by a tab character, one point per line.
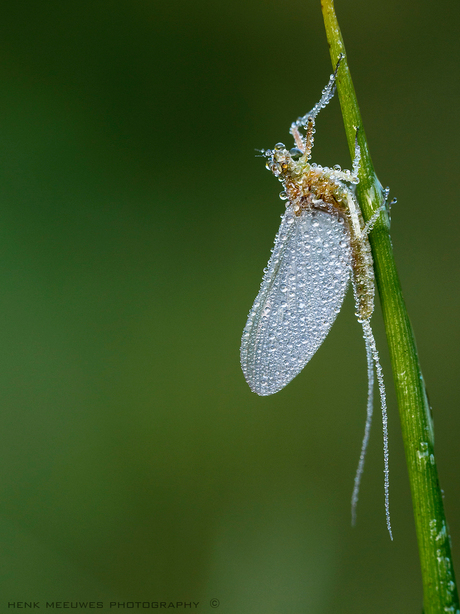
135	221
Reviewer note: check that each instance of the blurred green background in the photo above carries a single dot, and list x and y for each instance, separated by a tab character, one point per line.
135	222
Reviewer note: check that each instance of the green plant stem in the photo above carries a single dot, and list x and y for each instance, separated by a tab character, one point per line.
439	589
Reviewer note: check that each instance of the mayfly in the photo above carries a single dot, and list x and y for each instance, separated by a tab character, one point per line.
321	244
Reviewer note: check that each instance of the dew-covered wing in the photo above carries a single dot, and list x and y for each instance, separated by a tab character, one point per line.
300	296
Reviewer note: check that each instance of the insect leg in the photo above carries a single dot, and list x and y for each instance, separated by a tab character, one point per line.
346	175
304	143
357	158
383	207
327	94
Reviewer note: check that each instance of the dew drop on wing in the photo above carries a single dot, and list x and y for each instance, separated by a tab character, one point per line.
300	296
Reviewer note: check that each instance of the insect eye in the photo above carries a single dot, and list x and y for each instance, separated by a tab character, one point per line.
295	153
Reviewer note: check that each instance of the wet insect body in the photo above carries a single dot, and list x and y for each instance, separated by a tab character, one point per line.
322	243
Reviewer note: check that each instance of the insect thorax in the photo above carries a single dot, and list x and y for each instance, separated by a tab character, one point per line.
309	187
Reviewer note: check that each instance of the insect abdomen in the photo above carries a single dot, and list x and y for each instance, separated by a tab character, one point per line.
363	277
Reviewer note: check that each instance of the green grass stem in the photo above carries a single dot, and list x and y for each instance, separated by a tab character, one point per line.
439	588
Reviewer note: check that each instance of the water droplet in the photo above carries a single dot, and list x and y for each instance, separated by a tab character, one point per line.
295	153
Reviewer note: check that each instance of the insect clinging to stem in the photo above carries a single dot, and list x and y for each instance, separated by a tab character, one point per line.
321	245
